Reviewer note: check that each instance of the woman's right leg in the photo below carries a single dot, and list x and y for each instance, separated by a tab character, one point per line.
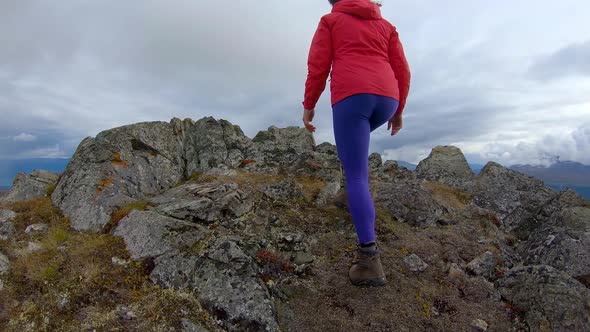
384	110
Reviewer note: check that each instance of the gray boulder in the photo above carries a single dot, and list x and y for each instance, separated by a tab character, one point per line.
4	267
6	226
563	242
6	215
375	162
288	148
144	160
224	280
328	193
550	299
203	202
325	166
221	275
6	230
415	263
390	170
29	186
327	148
227	285
283	191
4	264
564	199
408	202
117	167
483	265
446	164
516	198
36	228
189	326
209	143
148	234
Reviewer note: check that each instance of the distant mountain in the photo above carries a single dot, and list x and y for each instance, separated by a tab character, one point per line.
560	173
9	168
475	167
582	190
406	165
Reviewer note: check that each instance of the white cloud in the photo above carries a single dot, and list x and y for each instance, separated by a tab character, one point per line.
245	62
43	152
24	137
568	145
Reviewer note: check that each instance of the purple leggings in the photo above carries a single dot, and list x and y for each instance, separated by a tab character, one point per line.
354	119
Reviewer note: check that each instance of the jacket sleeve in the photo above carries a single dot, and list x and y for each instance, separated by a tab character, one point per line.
319	64
399	64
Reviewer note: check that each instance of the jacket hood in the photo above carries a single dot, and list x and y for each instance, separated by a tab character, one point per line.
364	9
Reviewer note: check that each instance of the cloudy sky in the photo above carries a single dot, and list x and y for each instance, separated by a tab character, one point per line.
504	80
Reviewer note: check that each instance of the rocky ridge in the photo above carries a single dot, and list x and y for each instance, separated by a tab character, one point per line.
247	224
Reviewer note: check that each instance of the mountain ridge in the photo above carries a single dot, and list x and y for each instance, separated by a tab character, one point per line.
561	172
256	233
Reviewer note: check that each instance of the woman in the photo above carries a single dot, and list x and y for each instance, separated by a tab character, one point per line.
370	81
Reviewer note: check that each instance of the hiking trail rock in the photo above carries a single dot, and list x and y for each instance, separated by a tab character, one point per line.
283	191
483	265
551	300
409	202
117	167
29	186
4	267
135	162
209	143
222	276
148	234
515	197
4	264
36	228
446	164
563	242
415	263
6	225
189	326
203	203
6	215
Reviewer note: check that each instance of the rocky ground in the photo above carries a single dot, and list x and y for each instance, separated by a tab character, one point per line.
192	226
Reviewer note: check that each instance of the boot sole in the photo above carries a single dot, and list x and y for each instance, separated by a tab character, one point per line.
374	282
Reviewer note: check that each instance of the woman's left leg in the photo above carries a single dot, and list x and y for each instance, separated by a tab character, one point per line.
352	130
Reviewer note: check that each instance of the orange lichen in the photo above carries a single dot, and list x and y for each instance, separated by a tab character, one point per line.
103	184
117	161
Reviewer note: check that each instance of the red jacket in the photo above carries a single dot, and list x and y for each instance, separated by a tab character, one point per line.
363	51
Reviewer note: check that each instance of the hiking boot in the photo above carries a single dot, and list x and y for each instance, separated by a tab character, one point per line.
368	271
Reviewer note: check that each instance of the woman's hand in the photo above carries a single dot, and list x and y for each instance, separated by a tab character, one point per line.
395	124
307	118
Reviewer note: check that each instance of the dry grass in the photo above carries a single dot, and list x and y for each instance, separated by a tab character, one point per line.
50	189
123	212
70	284
253	180
35	211
199	177
311	187
427	301
447	196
